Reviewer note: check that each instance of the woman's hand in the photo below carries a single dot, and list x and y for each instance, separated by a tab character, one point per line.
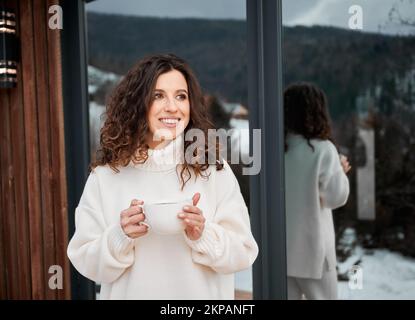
193	219
130	220
345	163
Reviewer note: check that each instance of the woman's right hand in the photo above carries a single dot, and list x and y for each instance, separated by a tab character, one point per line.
130	220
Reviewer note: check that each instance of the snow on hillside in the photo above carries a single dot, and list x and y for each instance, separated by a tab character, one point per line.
97	78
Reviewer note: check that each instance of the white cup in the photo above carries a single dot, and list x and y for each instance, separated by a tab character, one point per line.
162	217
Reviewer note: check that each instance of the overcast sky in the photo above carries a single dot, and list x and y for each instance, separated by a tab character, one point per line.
295	12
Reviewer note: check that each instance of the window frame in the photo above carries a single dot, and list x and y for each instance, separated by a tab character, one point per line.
267	189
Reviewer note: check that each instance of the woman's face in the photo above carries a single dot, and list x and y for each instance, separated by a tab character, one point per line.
169	113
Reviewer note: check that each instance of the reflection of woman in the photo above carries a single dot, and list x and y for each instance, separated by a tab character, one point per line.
315	184
159	97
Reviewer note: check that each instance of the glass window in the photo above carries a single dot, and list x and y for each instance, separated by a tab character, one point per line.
211	36
362	58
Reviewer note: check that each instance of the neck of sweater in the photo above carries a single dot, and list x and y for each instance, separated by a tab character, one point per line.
294	139
166	158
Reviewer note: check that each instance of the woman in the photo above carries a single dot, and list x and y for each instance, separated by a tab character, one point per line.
142	161
316	183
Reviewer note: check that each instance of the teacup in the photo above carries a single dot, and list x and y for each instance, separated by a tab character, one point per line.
162	217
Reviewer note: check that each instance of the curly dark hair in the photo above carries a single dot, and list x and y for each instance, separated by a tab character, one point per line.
123	135
306	113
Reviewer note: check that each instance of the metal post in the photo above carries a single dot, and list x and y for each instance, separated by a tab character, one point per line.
267	198
75	97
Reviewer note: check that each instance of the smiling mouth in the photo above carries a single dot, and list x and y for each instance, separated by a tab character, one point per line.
169	121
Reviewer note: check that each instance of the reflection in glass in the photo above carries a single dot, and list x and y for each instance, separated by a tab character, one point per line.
369	78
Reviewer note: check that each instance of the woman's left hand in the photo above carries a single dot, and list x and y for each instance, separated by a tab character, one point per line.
193	219
345	163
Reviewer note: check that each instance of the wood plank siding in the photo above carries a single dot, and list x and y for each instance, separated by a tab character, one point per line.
33	195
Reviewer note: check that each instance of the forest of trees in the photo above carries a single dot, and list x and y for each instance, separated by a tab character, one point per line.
343	62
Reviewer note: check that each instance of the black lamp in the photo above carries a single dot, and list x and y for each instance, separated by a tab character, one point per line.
8	47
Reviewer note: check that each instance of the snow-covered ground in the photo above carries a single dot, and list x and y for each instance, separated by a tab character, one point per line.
96	120
243	280
386	275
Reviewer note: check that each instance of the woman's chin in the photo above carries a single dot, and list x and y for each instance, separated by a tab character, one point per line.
168	133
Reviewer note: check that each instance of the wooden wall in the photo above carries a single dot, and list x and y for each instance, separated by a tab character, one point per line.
33	204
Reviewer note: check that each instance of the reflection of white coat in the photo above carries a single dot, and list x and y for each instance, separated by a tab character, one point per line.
315	184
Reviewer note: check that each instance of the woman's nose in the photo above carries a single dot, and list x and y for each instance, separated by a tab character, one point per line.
170	105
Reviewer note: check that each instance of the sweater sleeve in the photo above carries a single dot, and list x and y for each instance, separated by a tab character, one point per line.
98	251
333	182
227	244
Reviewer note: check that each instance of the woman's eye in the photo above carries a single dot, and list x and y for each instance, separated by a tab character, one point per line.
182	97
158	96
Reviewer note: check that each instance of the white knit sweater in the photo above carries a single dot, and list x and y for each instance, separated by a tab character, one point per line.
159	266
315	183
